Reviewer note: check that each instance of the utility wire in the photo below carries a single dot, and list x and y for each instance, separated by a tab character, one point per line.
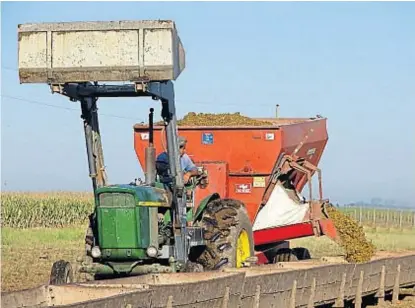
37	103
67	108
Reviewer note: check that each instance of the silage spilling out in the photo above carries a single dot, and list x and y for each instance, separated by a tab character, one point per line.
219	119
352	237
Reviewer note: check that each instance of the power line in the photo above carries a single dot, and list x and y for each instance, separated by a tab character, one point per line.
66	108
37	103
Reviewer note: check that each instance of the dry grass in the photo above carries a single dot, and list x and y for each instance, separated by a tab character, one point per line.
28	255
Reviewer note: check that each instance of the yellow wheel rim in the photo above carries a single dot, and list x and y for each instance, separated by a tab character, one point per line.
243	249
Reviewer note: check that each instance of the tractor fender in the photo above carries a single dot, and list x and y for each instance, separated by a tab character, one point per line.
203	205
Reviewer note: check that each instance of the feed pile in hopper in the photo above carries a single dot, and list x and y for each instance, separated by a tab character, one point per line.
219	119
352	237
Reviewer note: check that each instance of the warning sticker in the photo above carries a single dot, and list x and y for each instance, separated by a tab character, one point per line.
243	188
259	181
311	151
269	136
207	138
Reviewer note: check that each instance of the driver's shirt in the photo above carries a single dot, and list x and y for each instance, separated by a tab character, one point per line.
185	161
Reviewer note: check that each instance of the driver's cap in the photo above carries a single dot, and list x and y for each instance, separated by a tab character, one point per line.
181	141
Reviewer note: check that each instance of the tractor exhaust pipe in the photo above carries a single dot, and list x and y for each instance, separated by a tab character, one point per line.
150	154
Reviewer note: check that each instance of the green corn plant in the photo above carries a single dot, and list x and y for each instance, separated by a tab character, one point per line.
32	210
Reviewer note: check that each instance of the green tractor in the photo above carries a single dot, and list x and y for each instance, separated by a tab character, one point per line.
150	227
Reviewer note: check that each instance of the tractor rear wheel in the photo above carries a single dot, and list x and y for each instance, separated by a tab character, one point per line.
61	273
228	235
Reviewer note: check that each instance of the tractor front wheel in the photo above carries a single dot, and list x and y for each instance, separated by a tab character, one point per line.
228	235
61	273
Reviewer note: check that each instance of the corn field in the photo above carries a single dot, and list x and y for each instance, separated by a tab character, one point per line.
58	209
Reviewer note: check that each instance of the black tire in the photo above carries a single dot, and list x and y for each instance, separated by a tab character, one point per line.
301	253
224	221
271	253
89	235
61	273
285	255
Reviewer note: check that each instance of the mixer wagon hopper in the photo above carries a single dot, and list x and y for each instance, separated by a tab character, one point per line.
266	167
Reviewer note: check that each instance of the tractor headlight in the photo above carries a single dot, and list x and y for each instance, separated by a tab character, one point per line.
95	252
152	251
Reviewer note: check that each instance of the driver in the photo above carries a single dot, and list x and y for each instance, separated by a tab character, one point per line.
188	167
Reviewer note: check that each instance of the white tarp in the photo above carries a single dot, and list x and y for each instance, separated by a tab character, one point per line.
280	210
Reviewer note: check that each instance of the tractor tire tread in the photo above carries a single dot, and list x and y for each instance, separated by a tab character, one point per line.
230	218
301	253
61	273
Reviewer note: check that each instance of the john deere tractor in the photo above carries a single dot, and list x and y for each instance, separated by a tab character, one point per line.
151	226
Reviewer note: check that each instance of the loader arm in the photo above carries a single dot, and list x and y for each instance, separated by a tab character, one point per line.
94	149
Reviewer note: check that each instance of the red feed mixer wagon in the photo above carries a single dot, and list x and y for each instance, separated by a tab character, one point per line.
265	167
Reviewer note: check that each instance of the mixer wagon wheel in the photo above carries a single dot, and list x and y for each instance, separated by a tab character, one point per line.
228	235
61	273
285	255
301	253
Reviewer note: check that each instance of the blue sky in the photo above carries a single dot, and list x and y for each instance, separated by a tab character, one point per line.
351	62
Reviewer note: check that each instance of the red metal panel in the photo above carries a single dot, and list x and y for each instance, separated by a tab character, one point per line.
251	196
283	233
245	149
327	228
262	259
314	134
218	180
